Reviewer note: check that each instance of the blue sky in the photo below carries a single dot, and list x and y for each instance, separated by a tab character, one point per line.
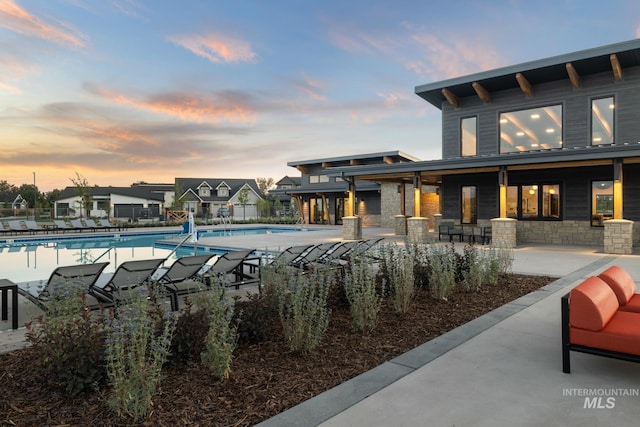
121	91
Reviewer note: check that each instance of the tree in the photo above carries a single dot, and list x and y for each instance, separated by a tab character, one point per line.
177	193
30	194
83	191
243	199
264	184
7	189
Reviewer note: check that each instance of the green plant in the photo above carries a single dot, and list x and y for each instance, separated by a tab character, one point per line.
68	344
399	265
191	330
221	338
254	318
360	290
303	309
137	345
443	267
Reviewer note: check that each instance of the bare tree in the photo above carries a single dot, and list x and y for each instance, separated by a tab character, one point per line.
83	191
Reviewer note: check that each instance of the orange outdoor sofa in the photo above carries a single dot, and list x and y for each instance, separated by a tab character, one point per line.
594	322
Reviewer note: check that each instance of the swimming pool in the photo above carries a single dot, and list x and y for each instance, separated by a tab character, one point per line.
33	259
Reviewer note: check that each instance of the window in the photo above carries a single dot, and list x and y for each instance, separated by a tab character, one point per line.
601	202
203	191
533	201
315	179
468	137
469	205
532	129
223	192
602	110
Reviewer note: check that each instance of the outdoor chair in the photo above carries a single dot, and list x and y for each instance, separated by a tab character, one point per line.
106	224
16	227
128	275
79	277
34	226
623	286
229	266
77	224
183	269
61	225
448	228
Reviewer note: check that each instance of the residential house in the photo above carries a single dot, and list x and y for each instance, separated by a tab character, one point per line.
282	194
322	196
140	201
205	196
549	150
13	201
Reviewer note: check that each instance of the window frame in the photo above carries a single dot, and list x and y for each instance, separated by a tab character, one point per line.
540	146
462	139
542	205
473	204
592	119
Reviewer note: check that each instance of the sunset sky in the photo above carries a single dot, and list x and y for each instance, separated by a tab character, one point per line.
122	91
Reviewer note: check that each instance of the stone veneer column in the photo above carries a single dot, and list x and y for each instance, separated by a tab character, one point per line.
437	219
400	225
351	228
503	232
618	236
417	229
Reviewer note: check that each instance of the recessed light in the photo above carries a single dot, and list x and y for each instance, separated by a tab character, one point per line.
520	133
535	116
550	130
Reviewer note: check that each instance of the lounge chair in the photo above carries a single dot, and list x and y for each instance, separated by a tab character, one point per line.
128	275
16	226
106	224
34	226
315	253
61	225
230	265
339	252
80	277
77	224
183	269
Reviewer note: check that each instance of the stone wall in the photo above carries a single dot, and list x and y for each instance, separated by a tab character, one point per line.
390	204
559	233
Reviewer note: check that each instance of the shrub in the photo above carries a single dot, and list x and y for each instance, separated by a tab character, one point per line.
443	266
221	338
137	346
399	265
68	345
191	330
254	318
360	290
303	310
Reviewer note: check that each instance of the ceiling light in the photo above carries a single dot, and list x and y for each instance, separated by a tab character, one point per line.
612	106
550	130
520	133
503	120
534	145
535	116
597	139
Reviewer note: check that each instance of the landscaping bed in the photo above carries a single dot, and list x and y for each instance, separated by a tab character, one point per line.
266	378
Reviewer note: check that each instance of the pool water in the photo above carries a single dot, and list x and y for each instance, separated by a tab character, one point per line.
28	260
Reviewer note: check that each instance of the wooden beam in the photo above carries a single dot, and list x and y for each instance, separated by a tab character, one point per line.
354	162
483	94
573	75
525	86
615	65
451	97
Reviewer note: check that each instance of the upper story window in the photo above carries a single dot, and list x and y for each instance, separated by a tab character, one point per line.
285	187
204	192
223	192
315	179
602	110
532	129
468	137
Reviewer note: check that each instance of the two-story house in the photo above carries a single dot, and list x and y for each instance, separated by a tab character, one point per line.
551	147
206	196
281	194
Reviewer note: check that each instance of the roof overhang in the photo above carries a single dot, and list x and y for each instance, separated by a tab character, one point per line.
611	58
431	171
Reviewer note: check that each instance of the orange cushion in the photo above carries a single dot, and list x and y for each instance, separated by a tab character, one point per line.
633	305
621	283
592	304
621	334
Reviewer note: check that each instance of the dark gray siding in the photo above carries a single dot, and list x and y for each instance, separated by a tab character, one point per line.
576	111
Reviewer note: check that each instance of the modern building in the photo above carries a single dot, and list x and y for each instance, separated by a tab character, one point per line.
322	196
546	151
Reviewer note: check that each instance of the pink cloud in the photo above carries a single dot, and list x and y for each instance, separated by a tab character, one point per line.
19	20
225	107
216	47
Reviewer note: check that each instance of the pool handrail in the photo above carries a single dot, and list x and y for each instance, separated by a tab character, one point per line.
174	250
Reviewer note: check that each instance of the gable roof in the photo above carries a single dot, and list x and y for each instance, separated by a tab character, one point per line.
288	180
585	62
234	184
